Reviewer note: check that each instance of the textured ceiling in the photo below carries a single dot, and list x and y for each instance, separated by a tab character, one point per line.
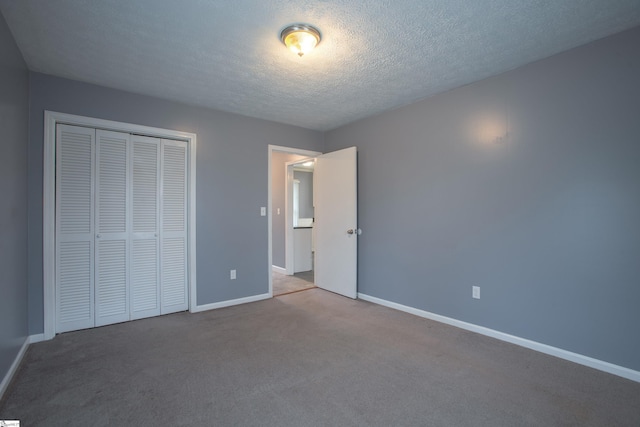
374	55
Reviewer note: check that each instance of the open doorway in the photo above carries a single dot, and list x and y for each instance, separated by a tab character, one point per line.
335	214
291	220
299	229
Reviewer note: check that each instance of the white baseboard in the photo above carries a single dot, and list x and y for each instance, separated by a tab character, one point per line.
229	303
279	269
13	368
523	342
36	338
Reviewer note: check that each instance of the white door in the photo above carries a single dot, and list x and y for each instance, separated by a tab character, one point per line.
335	208
145	201
121	227
112	234
74	228
173	236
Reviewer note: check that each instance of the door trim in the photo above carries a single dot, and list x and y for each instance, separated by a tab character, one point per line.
51	119
288	150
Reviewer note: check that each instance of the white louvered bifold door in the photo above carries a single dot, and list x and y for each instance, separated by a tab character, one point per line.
121	227
173	234
112	237
145	269
74	228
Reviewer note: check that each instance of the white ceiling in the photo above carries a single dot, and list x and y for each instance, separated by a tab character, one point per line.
374	55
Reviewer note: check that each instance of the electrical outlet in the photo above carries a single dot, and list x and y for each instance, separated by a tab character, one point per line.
475	292
278	211
232	275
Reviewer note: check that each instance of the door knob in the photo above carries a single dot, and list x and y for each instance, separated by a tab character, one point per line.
350	231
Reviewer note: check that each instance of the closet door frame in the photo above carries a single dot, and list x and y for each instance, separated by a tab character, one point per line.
51	119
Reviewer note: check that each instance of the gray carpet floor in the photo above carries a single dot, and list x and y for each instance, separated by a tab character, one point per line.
306	359
283	284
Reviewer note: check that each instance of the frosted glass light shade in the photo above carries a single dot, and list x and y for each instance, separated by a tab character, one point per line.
300	39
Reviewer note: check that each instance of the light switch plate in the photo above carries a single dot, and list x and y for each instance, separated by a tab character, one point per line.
475	292
263	211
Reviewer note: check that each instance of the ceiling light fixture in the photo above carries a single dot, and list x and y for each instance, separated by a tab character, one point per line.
300	38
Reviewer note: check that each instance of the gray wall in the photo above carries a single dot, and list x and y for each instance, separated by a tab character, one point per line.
306	193
278	192
14	96
545	220
232	167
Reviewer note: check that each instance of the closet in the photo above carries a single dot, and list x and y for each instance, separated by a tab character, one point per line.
121	227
